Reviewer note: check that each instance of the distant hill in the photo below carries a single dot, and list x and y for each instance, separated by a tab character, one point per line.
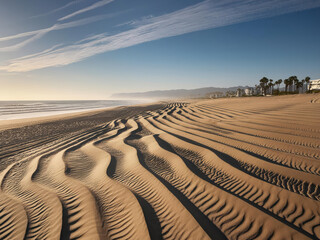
174	94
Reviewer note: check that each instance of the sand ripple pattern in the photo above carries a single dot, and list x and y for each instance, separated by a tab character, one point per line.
212	169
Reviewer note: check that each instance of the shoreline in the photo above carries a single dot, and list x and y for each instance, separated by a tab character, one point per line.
21	122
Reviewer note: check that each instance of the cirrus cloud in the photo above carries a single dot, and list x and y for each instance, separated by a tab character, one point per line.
204	15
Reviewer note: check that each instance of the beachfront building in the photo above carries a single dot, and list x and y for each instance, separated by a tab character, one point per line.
248	91
314	84
215	94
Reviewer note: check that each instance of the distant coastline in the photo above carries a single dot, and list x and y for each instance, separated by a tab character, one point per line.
174	93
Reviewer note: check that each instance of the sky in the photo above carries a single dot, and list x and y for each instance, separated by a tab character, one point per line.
90	49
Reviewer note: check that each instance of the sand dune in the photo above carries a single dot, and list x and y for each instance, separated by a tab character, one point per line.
245	168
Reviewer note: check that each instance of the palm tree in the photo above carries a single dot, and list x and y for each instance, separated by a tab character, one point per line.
259	89
307	79
291	81
303	81
271	84
290	85
256	89
299	85
296	82
262	88
286	83
278	84
263	84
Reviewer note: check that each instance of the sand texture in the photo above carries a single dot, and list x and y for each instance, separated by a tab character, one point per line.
242	168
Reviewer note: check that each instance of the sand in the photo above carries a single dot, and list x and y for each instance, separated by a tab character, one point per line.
240	168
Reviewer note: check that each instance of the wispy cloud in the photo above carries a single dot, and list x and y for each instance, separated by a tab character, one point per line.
59	9
89	8
205	15
34	35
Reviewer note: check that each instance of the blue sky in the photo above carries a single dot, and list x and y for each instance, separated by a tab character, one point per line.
89	49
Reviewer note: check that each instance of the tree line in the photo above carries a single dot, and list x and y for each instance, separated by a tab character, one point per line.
292	85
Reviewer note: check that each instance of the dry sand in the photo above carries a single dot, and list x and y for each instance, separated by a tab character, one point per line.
243	168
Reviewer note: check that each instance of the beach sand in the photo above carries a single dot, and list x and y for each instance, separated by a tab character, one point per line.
240	168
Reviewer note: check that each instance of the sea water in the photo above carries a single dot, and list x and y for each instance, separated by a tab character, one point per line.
28	109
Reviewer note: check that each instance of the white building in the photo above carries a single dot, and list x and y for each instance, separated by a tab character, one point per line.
248	91
216	95
314	84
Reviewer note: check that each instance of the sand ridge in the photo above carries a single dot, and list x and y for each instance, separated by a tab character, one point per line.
245	168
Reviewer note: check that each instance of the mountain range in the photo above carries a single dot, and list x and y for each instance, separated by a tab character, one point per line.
174	94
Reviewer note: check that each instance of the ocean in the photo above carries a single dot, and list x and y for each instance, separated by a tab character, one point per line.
28	109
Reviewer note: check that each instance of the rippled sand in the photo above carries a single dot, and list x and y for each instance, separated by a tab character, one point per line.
244	168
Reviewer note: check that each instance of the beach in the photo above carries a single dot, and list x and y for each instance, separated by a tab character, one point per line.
229	168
